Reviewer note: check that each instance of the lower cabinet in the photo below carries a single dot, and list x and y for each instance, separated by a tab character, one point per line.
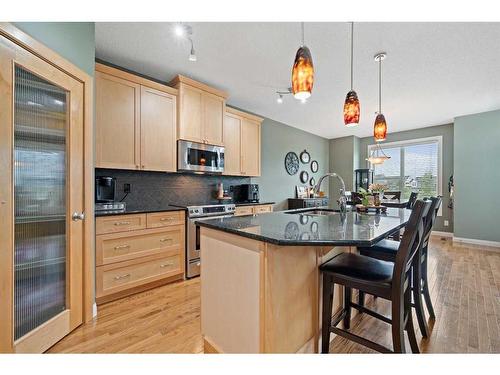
129	260
253	210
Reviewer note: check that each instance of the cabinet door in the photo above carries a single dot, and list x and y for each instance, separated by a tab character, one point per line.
250	148
232	144
117	122
190	116
158	130
213	118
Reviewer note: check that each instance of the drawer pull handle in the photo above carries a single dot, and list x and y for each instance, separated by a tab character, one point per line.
120	247
166	265
122	276
122	223
166	219
165	239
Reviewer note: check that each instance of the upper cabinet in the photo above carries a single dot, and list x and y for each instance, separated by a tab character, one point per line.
136	122
200	111
242	143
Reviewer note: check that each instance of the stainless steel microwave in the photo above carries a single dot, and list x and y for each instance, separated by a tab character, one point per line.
199	157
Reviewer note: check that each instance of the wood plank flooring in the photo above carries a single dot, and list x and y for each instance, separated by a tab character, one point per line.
465	288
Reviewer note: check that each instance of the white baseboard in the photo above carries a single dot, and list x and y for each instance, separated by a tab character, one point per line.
441	234
94	310
473	241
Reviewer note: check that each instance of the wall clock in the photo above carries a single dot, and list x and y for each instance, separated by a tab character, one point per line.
305	157
291	163
314	166
304	177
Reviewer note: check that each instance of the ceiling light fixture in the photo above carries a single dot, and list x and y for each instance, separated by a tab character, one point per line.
377	156
302	71
281	94
280	99
380	125
351	105
186	31
192	54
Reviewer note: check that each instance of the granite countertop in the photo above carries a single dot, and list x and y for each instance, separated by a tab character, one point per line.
298	228
253	204
139	210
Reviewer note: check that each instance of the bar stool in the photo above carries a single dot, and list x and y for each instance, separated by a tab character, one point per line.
386	280
387	250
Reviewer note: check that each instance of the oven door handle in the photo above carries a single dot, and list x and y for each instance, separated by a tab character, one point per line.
194	219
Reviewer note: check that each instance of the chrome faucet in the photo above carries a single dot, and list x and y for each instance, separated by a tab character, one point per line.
342	201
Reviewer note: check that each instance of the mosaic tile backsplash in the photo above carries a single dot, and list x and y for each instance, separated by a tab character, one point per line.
153	189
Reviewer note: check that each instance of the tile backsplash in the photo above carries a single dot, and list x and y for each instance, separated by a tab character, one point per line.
153	189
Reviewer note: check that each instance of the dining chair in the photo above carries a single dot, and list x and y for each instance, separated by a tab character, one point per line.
387	250
411	200
386	280
392	195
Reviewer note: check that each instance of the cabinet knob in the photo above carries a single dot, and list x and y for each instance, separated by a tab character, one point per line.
78	216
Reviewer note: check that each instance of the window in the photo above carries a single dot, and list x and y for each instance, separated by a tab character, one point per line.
414	166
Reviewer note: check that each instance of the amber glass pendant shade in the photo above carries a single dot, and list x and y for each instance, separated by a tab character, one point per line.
302	74
351	109
380	128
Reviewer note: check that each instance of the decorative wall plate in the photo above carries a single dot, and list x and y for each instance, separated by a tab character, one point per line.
305	157
304	177
312	181
314	166
291	163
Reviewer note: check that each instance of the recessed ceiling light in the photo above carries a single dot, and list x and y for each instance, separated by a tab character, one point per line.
179	30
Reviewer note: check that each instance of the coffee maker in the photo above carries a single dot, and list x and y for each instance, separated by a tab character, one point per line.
105	192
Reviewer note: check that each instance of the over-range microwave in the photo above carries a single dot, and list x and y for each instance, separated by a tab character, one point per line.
199	157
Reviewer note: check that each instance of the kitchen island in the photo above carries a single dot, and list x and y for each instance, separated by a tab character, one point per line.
260	283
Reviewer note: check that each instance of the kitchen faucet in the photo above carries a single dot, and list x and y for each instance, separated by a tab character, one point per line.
342	201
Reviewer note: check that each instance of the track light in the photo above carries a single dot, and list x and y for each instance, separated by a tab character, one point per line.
280	99
192	54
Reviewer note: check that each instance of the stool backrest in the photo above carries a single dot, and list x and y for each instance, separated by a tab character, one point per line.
411	200
430	219
410	243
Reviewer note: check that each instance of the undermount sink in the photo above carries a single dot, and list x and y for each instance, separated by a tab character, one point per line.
316	212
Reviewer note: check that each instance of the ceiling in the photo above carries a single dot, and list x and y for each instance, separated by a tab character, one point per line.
433	71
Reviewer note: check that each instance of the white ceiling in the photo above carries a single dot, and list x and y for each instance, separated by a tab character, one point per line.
433	72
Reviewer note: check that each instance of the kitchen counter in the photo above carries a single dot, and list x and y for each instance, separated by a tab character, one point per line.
260	281
139	210
299	227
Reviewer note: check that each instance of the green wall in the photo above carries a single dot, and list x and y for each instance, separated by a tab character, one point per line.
75	41
277	140
344	159
477	176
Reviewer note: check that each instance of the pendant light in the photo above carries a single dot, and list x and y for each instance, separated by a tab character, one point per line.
351	105
302	72
377	156
380	126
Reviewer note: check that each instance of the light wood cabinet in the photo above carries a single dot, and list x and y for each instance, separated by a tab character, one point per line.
136	122
242	143
253	210
200	111
138	251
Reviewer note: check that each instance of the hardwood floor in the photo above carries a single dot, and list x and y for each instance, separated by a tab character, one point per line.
465	289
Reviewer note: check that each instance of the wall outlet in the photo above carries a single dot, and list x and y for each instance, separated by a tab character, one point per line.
126	188
446	223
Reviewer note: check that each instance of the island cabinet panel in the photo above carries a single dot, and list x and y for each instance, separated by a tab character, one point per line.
136	122
200	111
158	130
117	122
138	251
261	298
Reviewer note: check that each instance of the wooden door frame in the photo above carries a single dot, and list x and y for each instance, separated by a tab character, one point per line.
25	41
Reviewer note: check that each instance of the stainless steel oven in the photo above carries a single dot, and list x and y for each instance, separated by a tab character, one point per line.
199	157
193	248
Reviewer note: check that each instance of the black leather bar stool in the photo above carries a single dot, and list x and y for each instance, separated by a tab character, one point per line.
387	280
387	250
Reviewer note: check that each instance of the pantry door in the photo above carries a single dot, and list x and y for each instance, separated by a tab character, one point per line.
41	201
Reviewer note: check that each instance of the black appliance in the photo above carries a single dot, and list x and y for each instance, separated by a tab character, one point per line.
246	193
364	178
105	189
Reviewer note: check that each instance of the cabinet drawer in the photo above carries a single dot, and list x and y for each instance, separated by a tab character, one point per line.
244	210
119	223
118	247
263	209
116	278
164	219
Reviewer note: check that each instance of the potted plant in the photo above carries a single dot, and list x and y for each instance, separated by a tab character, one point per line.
377	190
364	196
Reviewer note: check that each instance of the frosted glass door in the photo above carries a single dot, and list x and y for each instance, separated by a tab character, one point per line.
40	169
